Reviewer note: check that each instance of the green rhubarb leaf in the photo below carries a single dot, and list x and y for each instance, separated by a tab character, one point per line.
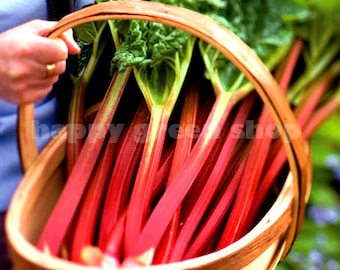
159	54
330	8
87	32
265	26
86	36
322	35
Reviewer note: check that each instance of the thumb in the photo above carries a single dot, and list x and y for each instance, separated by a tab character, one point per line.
71	44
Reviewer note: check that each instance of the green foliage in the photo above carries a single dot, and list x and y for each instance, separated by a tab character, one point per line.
330	8
90	38
159	54
265	26
149	44
322	35
87	32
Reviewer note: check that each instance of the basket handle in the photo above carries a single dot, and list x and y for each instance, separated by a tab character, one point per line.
227	43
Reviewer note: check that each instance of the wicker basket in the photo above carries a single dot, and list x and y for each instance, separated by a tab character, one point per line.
262	248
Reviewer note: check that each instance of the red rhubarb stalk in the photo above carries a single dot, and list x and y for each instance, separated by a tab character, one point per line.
77	133
286	68
196	189
86	225
212	184
163	172
220	210
312	97
140	200
159	219
161	98
113	246
55	230
248	183
184	142
237	224
128	157
114	242
310	100
317	89
320	115
275	163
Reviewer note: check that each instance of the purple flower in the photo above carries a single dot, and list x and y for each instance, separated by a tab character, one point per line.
315	257
333	264
332	162
323	215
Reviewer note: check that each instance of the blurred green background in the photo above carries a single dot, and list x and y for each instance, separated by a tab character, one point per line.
318	244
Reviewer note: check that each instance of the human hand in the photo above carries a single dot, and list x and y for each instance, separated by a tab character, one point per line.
30	63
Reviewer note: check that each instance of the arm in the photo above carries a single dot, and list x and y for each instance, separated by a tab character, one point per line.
25	56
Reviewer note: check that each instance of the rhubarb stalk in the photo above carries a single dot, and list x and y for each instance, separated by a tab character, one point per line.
211	185
160	69
184	142
76	135
86	224
128	157
55	230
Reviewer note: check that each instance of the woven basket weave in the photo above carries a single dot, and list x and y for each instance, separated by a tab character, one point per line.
262	248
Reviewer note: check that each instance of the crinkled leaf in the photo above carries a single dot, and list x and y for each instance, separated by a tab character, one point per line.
158	52
160	56
265	26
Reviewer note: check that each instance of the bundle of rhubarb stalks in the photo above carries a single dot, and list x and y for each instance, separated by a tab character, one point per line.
170	153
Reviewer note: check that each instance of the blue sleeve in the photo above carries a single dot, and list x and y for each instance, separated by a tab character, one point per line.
82	3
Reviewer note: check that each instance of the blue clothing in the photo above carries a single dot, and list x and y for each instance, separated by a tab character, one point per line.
13	13
16	12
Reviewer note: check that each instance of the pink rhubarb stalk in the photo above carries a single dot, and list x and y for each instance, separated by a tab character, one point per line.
211	225
86	225
128	157
160	218
76	134
55	230
212	184
275	163
184	142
